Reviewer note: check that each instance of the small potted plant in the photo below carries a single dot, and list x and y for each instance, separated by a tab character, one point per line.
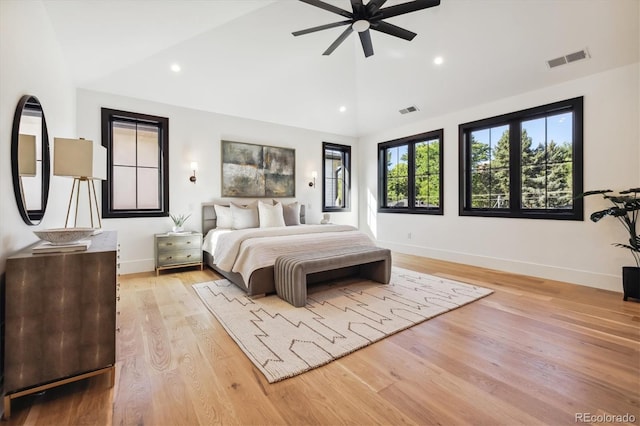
625	208
178	221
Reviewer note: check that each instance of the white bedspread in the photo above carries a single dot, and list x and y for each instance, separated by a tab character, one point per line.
246	250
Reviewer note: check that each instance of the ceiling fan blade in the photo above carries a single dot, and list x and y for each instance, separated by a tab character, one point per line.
320	28
328	7
387	28
412	6
338	41
365	39
358	9
374	5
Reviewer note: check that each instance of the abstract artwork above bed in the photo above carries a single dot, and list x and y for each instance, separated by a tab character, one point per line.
250	170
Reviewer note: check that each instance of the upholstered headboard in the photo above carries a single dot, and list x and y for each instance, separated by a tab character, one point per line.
209	218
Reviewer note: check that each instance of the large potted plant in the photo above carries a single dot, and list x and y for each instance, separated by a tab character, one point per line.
626	208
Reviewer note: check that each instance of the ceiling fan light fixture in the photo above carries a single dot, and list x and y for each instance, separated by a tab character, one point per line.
361	25
365	17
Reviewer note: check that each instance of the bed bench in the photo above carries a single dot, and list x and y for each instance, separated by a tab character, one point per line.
292	271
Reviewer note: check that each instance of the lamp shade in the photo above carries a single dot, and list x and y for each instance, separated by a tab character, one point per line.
79	158
26	155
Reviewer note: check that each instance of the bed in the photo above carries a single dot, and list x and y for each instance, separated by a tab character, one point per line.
246	256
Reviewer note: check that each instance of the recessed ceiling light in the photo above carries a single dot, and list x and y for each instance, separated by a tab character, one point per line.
438	60
175	68
342	108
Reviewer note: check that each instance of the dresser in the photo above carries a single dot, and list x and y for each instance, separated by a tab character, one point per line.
60	317
178	250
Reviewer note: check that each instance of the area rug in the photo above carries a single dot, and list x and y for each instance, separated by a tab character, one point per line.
340	318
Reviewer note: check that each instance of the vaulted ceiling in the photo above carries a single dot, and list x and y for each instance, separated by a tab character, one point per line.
240	58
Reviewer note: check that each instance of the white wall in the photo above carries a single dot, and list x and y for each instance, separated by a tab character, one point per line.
578	252
195	136
32	64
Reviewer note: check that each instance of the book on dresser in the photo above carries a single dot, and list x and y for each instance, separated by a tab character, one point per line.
47	247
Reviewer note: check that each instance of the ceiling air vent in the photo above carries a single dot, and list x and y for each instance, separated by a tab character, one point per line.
571	57
407	110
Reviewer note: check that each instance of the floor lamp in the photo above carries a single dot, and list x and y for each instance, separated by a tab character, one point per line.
84	161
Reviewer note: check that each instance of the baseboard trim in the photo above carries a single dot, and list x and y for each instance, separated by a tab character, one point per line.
137	266
574	276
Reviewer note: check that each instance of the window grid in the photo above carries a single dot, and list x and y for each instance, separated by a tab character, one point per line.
336	183
544	163
410	174
136	145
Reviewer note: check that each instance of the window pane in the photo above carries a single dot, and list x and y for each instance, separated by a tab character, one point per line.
490	168
335	186
397	176
333	178
547	144
124	188
427	173
560	161
148	179
148	146
124	144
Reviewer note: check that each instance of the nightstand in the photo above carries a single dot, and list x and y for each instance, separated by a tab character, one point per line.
175	250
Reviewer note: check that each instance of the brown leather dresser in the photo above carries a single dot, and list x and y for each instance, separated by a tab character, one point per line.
60	317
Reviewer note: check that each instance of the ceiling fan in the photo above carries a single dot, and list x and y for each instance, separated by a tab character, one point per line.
366	17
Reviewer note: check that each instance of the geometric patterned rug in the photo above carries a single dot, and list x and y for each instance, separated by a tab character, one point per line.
283	341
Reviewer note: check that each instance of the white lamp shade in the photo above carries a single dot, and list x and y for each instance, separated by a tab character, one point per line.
26	155
194	165
79	158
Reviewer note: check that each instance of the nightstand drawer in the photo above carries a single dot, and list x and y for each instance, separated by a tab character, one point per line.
179	257
178	242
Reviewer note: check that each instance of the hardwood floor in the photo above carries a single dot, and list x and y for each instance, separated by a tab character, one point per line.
534	352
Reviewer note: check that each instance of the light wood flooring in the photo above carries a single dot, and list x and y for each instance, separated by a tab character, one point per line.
534	352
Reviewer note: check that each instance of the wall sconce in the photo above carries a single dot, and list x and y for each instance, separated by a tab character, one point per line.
194	167
314	175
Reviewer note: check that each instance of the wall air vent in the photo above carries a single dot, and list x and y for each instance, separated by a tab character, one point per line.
571	57
407	110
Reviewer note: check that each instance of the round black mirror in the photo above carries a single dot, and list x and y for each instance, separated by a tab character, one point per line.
30	159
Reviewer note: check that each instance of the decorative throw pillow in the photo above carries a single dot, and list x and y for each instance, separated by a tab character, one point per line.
270	215
245	216
291	213
224	218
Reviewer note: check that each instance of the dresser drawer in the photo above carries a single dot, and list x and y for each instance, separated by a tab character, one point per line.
179	257
179	242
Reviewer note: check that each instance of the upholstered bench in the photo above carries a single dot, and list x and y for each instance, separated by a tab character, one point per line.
291	271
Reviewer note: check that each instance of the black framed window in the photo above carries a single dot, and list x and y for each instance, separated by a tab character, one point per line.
137	182
336	178
526	164
410	174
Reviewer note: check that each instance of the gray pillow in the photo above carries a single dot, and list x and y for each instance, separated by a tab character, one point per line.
291	213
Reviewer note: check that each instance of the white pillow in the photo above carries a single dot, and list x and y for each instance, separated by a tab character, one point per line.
270	215
224	218
245	216
291	213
